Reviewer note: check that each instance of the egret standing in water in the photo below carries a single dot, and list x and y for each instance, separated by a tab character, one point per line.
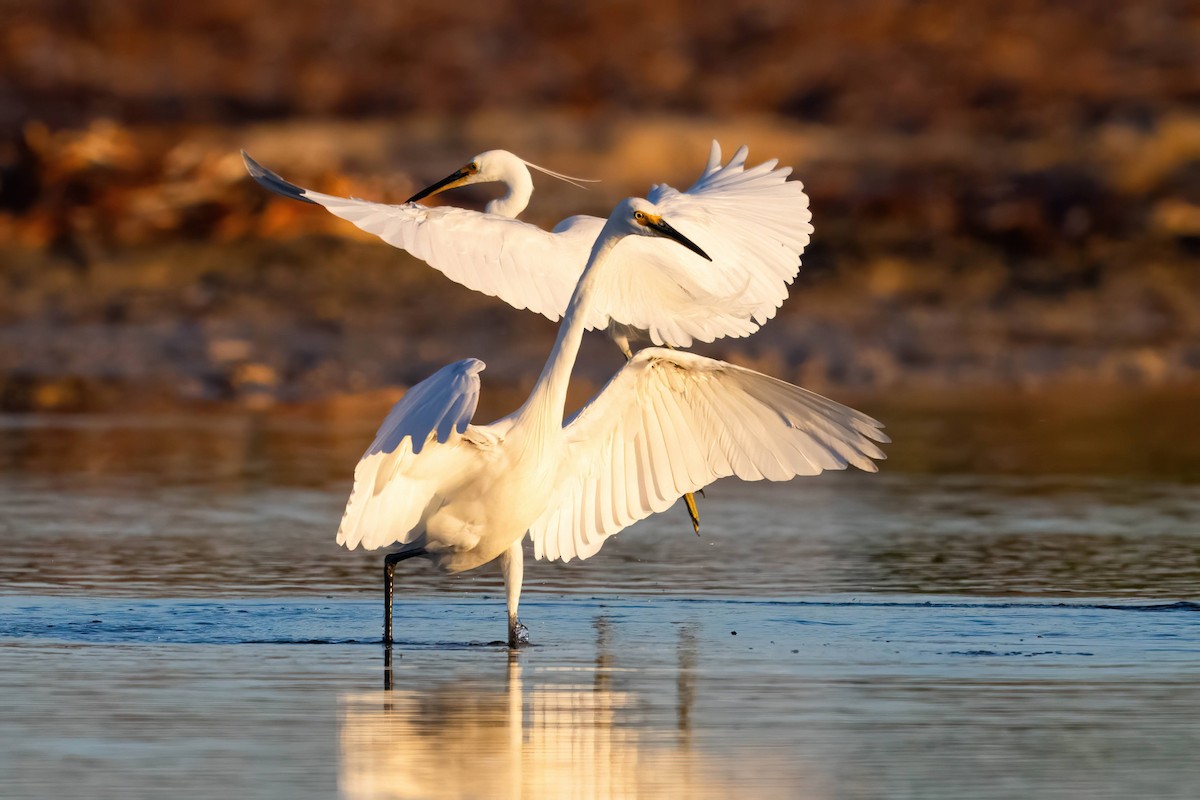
667	423
754	222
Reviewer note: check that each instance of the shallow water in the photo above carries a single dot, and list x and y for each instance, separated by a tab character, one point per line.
175	619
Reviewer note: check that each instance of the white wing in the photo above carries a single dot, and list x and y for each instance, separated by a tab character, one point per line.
394	481
521	264
672	422
753	222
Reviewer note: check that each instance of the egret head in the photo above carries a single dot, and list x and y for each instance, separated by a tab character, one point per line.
635	216
492	165
501	166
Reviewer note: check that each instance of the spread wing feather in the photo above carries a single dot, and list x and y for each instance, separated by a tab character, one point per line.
394	482
519	263
753	222
672	422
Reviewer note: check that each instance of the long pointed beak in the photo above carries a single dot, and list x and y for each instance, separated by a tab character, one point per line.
666	230
457	178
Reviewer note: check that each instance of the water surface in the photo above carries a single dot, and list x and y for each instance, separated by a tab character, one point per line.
175	619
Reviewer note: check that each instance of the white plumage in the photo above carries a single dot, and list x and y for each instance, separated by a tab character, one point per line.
672	422
754	224
392	484
667	423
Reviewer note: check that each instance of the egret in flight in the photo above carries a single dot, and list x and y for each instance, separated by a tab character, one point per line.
754	222
667	423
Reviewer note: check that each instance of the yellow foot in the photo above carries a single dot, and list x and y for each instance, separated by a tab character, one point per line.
690	500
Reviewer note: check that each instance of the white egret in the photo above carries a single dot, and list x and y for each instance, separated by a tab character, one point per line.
755	224
667	423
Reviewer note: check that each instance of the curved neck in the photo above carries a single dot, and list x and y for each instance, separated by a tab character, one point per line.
520	188
544	408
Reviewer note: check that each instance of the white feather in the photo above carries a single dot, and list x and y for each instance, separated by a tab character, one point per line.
753	223
679	421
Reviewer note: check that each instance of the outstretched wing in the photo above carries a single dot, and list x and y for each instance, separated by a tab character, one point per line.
395	481
672	422
521	264
753	222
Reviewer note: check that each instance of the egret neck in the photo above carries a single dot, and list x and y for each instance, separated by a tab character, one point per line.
548	400
512	172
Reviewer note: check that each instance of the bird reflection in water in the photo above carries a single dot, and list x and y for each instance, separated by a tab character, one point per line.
529	738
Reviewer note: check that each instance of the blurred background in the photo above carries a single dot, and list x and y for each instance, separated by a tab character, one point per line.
1006	193
1004	270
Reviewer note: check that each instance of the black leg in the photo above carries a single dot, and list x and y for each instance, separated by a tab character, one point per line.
518	634
389	574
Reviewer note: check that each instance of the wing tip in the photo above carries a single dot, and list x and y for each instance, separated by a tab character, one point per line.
272	181
714	159
472	366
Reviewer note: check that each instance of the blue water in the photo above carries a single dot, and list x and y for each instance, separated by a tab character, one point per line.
175	620
859	697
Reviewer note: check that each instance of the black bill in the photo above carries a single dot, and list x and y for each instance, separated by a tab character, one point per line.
666	230
448	182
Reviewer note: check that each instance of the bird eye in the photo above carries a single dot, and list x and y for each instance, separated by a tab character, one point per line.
639	216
